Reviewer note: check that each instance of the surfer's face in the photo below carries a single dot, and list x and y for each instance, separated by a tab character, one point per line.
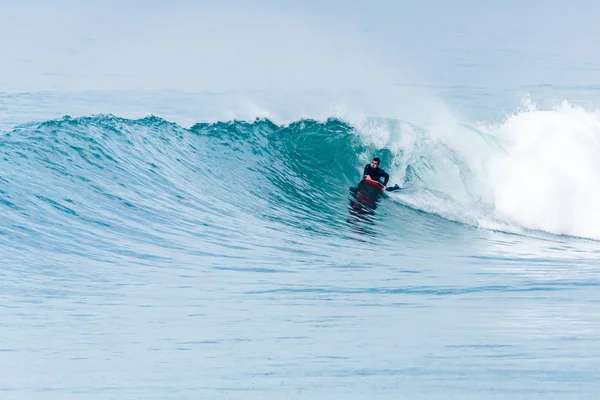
374	164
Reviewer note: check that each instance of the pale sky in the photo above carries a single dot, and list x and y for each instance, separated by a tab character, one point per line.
308	45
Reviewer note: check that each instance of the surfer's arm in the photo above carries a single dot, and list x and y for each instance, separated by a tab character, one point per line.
365	174
386	178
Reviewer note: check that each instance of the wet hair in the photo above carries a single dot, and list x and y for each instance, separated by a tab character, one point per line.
378	160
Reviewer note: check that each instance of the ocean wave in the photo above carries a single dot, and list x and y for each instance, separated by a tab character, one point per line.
107	179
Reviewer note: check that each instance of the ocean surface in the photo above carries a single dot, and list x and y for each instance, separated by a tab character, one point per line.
150	250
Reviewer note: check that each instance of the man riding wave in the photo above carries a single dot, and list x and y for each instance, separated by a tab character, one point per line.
372	172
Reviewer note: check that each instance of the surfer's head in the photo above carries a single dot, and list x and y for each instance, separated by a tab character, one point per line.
375	162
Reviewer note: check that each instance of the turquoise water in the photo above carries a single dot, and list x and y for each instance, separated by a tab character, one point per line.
145	258
179	216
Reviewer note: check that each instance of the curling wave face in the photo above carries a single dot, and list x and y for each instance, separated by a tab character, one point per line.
103	182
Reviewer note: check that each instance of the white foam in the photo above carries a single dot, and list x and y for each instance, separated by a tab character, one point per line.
537	170
549	177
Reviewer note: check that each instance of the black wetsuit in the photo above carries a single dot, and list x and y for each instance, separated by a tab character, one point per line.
376	174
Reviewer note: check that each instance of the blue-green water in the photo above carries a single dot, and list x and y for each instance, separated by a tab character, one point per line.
179	218
152	258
